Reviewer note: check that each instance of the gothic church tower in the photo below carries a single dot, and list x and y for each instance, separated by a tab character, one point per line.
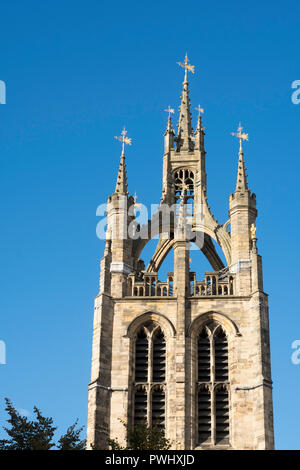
191	355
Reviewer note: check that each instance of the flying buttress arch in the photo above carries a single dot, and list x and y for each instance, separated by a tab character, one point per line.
163	223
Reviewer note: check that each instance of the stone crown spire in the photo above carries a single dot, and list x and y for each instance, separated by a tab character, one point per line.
121	184
185	131
169	133
241	181
199	133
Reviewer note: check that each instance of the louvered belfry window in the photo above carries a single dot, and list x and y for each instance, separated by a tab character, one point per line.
159	356
204	414
158	407
203	357
221	356
141	357
140	405
150	375
222	415
212	386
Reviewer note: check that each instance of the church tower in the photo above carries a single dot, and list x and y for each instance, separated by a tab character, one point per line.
189	354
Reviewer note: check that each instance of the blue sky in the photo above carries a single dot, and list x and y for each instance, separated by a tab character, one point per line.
76	72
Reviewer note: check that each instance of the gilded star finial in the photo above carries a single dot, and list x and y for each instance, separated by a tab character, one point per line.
188	67
169	110
240	135
122	138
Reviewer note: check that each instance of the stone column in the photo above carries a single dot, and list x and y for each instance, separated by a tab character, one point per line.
181	285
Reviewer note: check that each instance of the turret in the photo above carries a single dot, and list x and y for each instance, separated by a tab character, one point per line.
242	213
118	221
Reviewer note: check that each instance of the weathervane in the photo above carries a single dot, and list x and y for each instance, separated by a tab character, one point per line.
169	110
240	135
199	109
136	204
185	65
124	139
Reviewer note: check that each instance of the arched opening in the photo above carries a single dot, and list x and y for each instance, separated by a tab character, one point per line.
184	188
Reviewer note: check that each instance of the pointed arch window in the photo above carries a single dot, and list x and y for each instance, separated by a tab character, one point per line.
150	376
184	185
212	386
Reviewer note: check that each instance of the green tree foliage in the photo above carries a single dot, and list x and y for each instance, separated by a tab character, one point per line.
71	440
142	437
37	434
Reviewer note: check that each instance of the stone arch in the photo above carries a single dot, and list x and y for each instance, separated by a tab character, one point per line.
208	248
229	327
165	245
165	324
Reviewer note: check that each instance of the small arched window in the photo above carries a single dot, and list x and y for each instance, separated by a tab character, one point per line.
184	186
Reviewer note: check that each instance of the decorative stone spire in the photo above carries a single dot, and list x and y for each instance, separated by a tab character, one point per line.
121	185
241	182
199	134
169	134
185	131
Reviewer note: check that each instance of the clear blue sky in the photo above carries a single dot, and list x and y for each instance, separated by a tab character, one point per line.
76	72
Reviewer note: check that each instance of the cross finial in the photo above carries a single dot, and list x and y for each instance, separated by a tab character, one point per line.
240	135
169	110
122	138
188	67
199	109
